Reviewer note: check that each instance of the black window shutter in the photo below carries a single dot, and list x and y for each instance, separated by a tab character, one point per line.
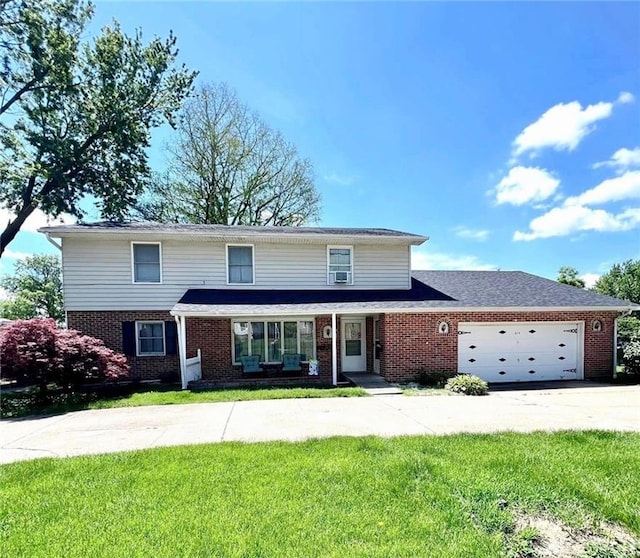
129	338
171	337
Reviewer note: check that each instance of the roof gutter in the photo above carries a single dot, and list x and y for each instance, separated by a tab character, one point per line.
390	310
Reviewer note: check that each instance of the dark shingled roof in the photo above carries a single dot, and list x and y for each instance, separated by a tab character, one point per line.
430	290
151	227
418	292
511	288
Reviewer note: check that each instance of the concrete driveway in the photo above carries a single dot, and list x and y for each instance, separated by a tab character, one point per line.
110	430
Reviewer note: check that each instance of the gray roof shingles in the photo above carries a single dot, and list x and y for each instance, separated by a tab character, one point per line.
453	290
108	226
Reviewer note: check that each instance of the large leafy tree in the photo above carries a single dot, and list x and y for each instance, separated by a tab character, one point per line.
35	289
228	166
623	281
569	276
75	117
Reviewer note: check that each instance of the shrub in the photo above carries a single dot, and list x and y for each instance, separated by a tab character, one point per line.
37	352
432	378
467	384
631	354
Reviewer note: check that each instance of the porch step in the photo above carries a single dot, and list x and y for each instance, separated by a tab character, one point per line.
373	384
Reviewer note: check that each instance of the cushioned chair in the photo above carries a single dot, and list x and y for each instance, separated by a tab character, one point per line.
250	364
291	363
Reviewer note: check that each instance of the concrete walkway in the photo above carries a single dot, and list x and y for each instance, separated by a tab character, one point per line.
110	430
373	384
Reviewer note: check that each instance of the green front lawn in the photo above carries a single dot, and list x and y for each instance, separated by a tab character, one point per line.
456	496
20	404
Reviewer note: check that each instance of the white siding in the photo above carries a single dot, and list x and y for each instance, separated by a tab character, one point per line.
97	273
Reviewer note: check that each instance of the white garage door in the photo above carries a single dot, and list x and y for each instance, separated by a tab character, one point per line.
522	352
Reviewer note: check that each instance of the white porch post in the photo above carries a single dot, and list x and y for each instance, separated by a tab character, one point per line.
182	349
334	349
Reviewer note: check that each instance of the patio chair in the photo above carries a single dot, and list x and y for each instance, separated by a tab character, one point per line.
291	363
250	364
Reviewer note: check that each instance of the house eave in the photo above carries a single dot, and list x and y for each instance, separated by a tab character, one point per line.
298	310
231	237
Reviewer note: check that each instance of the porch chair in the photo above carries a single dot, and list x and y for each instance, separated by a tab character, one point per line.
291	363
250	364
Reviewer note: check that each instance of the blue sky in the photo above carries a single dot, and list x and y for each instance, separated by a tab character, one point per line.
509	133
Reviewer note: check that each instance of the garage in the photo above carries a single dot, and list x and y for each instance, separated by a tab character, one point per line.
521	352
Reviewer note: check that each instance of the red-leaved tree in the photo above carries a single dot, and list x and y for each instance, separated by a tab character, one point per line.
38	352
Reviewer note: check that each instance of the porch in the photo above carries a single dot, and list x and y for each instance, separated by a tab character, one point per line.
211	348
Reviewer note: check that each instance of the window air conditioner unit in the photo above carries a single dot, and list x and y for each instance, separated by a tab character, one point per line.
341	276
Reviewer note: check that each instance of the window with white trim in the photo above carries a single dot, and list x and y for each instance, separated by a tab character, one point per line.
146	262
239	264
150	339
270	339
339	265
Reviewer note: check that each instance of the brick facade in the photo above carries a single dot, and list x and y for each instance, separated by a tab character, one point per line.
108	327
411	342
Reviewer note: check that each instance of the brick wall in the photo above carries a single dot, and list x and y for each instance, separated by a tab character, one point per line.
108	327
411	342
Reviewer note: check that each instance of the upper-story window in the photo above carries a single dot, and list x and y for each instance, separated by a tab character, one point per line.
146	262
240	264
340	265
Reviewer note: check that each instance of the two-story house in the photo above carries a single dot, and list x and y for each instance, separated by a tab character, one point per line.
346	298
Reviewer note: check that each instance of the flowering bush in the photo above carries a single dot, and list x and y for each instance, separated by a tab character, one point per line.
631	354
467	384
37	352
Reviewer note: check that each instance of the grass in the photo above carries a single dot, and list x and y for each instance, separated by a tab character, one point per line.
19	404
446	497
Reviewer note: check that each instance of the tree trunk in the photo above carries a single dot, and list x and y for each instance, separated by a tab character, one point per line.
13	228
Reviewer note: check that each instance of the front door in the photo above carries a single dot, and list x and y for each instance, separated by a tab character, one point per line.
354	350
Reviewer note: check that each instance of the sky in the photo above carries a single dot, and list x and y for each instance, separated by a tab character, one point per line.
508	133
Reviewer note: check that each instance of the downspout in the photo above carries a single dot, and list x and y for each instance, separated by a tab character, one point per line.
334	350
615	348
48	237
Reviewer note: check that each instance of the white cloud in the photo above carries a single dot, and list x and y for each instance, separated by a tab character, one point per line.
471	234
339	179
564	126
440	260
590	279
526	184
562	221
4	294
9	253
626	97
622	160
626	186
36	220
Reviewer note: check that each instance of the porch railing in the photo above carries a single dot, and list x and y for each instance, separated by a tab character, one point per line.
193	369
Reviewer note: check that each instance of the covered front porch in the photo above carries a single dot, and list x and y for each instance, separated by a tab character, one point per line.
214	349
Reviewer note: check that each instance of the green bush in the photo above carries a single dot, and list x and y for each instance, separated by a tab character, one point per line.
631	353
467	384
432	378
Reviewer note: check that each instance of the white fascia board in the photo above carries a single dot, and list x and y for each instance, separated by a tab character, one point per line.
317	311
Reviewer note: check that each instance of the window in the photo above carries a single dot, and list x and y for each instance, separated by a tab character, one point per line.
150	338
340	265
240	264
146	262
270	339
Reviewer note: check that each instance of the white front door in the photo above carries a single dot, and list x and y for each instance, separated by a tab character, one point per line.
354	349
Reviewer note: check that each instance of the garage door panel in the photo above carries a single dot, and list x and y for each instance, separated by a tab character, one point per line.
511	352
522	373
